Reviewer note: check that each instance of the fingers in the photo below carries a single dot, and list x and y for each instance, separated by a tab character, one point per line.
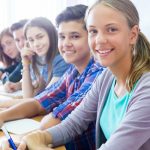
27	45
9	87
22	145
5	145
45	122
27	52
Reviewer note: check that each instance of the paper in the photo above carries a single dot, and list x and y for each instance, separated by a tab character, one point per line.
22	126
4	98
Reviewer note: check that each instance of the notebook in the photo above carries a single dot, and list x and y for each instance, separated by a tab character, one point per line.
22	126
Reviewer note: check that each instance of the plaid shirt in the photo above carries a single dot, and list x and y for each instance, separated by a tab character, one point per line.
62	97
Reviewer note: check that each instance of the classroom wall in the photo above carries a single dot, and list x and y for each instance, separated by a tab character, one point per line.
14	10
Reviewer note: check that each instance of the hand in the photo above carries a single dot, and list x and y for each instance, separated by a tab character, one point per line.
26	55
36	140
4	144
49	121
1	74
11	87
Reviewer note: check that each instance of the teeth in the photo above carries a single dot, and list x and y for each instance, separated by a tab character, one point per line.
104	51
69	52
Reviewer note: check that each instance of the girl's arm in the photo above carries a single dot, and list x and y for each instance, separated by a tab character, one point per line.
27	87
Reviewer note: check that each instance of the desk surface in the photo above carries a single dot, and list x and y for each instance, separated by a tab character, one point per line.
38	118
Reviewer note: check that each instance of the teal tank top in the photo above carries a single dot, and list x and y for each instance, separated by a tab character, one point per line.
114	111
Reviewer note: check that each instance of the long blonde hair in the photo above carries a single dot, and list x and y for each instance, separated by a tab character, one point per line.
141	50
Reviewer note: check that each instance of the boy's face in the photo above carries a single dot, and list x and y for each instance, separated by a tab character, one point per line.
19	38
73	43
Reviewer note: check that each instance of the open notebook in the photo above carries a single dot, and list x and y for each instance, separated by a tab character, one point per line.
22	126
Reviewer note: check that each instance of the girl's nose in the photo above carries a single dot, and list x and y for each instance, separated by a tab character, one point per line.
7	49
36	44
101	38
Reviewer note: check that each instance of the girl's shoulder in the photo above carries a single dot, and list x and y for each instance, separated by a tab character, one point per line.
57	59
59	66
144	80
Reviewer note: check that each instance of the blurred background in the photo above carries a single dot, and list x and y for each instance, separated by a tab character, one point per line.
15	10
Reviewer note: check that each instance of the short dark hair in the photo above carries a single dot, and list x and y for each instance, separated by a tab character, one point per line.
18	25
71	13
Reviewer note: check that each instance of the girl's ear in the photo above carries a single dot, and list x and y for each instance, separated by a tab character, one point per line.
134	34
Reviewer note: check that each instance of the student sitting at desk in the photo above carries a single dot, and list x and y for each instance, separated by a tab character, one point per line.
17	32
9	56
42	63
65	95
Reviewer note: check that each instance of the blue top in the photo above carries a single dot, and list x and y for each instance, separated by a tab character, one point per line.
12	73
59	66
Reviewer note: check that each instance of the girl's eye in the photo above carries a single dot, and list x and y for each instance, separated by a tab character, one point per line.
17	40
31	40
111	29
92	32
61	37
8	43
40	37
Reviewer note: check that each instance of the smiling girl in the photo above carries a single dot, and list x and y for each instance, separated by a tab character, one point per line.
42	63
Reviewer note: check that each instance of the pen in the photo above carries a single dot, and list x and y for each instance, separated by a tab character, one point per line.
12	144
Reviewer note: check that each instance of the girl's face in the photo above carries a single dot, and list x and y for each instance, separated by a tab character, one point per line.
9	46
38	40
110	38
73	43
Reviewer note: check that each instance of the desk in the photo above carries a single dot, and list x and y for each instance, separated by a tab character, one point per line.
37	118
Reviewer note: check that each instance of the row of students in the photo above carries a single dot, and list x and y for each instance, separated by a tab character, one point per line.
45	62
62	97
119	99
